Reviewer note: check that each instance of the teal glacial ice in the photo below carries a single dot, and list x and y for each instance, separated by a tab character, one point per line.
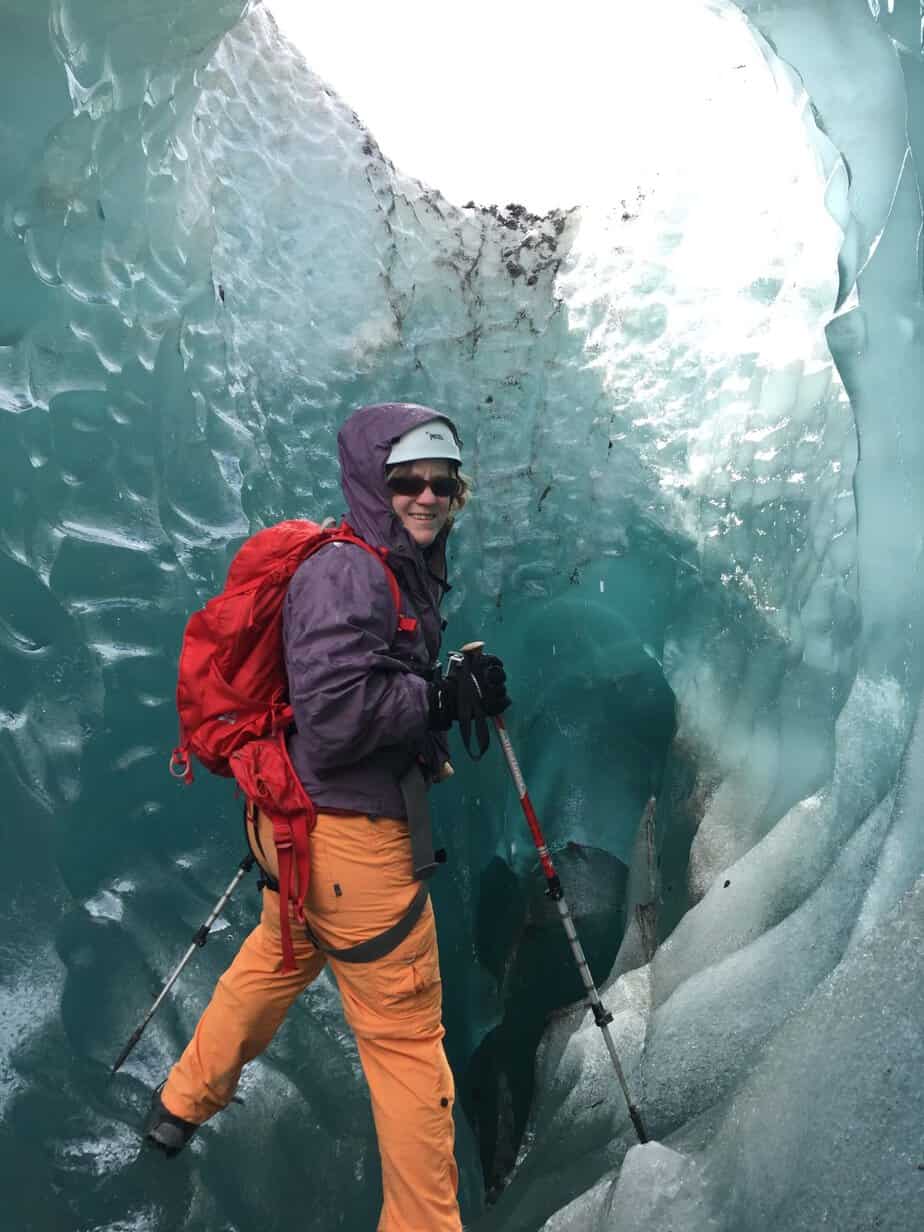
692	412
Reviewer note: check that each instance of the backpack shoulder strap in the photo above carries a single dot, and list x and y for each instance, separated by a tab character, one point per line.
345	534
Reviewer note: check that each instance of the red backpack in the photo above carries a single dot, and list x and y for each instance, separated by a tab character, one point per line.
233	696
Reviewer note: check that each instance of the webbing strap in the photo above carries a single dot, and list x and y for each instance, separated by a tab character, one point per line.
417	808
284	856
471	710
383	943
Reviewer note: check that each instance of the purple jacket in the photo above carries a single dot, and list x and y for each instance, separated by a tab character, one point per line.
356	684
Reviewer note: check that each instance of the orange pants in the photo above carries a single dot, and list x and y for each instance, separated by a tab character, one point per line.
361	883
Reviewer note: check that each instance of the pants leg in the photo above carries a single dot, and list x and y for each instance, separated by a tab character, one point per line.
362	880
247	1008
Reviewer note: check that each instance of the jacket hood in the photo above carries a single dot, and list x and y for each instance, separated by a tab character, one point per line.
365	441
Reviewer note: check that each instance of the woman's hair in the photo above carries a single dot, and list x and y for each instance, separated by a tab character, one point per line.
465	481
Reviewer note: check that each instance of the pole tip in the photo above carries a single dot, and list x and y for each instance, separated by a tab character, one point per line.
637	1123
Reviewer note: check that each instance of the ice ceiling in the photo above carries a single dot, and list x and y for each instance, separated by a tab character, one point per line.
691	406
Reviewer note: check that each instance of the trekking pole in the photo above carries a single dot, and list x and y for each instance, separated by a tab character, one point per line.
602	1016
198	941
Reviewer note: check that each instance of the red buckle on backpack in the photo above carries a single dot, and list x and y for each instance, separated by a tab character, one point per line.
407	624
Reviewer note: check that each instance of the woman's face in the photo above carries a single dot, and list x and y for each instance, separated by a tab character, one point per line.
423	516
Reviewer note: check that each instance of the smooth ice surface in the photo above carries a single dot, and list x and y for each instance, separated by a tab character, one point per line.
692	412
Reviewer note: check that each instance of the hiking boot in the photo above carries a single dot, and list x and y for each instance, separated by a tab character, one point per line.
162	1129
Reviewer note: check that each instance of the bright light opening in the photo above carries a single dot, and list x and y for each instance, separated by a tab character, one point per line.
543	107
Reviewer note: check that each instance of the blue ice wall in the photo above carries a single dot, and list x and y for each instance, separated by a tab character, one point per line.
698	498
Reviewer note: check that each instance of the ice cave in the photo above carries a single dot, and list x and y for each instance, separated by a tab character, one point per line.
691	404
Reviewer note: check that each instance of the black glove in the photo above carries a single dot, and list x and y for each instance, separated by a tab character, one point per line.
486	673
491	679
474	689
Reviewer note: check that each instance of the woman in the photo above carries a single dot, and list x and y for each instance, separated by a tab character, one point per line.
370	713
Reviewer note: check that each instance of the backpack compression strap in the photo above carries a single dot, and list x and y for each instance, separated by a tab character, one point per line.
345	534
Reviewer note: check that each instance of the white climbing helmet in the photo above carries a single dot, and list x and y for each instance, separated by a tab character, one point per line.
433	439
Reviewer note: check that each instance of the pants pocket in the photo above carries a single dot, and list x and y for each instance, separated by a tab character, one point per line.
406	978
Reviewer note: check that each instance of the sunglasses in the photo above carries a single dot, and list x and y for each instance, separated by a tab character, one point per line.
413	485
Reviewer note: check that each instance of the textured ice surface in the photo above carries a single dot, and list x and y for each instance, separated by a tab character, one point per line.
695	481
